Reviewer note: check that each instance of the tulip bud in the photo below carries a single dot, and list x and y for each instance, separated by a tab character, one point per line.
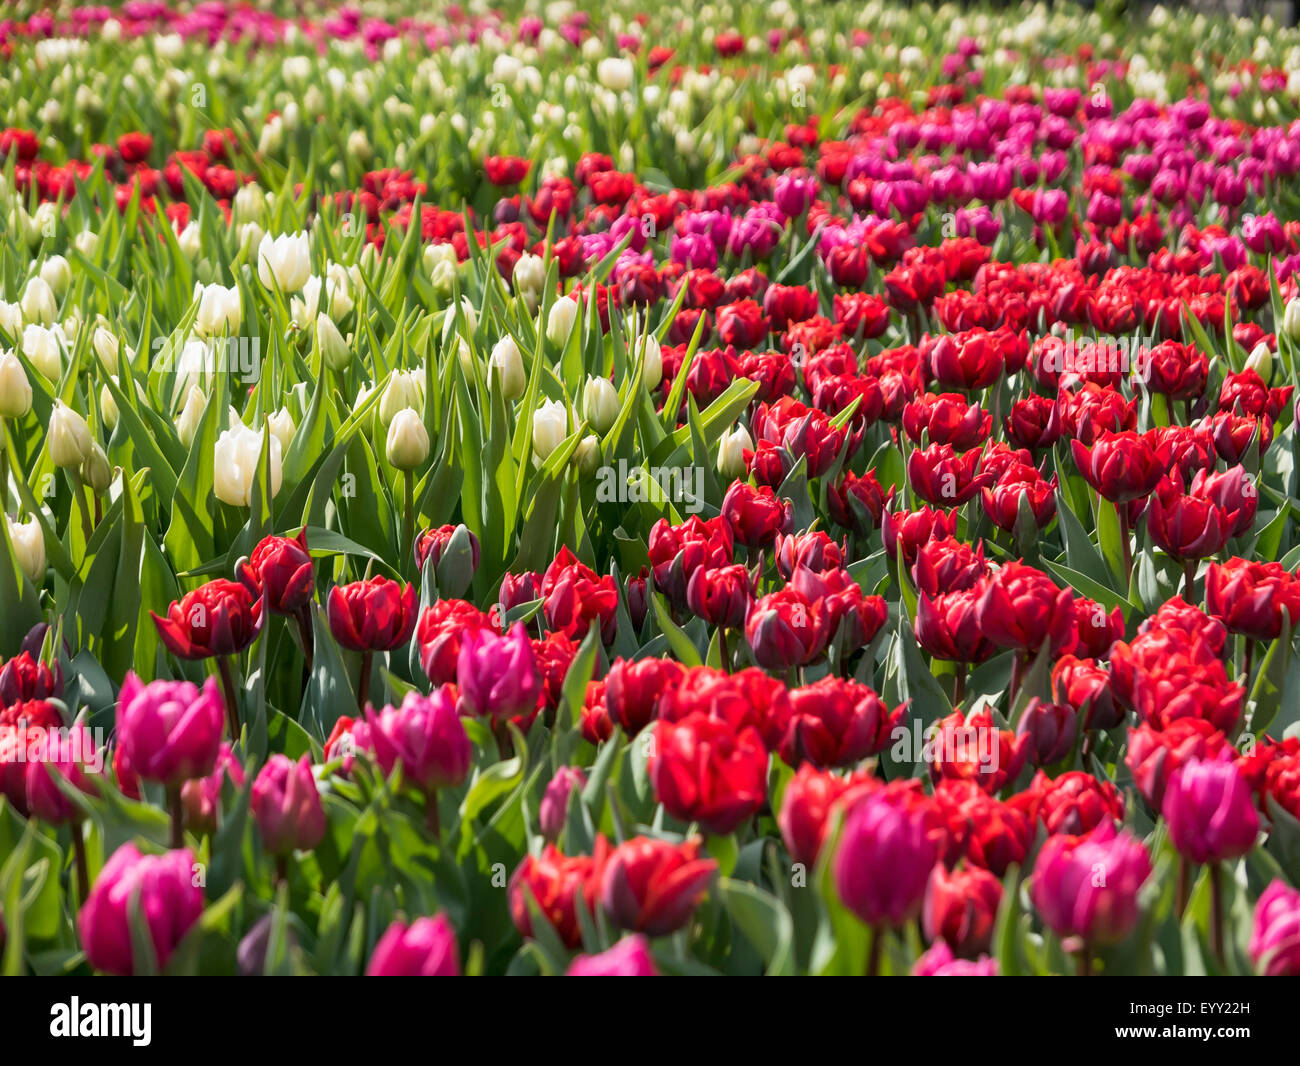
57	274
507	365
284	262
333	348
44	347
560	320
282	428
190	241
528	277
1261	360
287	806
600	403
68	437
405	389
86	242
29	547
249	204
550	427
408	440
587	455
553	811
95	469
187	425
425	948
238	454
15	389
219	309
1291	319
435	254
38	302
731	452
652	361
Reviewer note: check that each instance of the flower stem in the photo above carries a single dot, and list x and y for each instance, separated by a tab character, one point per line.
1216	913
232	707
1189	578
83	868
874	948
1184	885
82	495
959	686
505	745
723	650
1121	512
308	644
178	815
363	681
1085	962
408	525
431	819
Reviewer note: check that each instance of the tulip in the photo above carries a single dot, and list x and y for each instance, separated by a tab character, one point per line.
560	320
557	885
287	806
960	908
69	755
785	629
887	849
809	800
333	348
38	302
425	735
630	957
57	274
1153	755
1076	903
704	770
201	797
220	310
1022	608
650	355
408	441
284	262
550	428
187	425
15	389
506	366
374	615
653	886
1051	728
165	891
574	596
280	571
837	722
1291	319
1275	938
553	811
237	459
732	446
68	437
939	961
219	618
169	731
25	677
497	675
1209	810
600	403
28	541
405	389
632	690
425	948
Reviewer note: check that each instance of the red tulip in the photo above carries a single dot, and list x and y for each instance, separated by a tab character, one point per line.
653	886
374	615
219	618
837	722
960	908
705	771
280	572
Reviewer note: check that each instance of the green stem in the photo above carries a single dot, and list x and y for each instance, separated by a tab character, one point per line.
1216	912
874	950
363	681
228	687
408	529
178	815
83	868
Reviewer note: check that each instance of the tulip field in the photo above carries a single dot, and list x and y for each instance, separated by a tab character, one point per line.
600	488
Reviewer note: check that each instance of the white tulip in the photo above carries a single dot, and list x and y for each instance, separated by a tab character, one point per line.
190	240
108	407
57	274
550	427
405	389
615	73
106	346
284	261
38	302
86	242
238	453
731	449
408	441
560	320
44	347
528	278
249	204
282	428
15	389
187	425
29	547
1291	319
653	361
68	437
333	348
600	403
220	309
509	366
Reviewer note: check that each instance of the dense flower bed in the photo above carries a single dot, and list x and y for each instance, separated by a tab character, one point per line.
590	490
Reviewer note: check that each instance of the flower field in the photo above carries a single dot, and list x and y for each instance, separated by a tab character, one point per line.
616	489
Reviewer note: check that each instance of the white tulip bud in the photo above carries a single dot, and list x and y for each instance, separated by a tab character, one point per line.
282	428
1261	360
108	407
284	261
587	455
106	346
15	389
249	204
220	309
1291	320
615	73
506	364
408	441
95	469
68	437
87	243
560	320
190	240
333	348
731	449
237	455
653	361
38	302
187	425
56	273
29	547
528	278
550	427
600	403
405	389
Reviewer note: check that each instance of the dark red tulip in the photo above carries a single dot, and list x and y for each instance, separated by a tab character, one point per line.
1022	607
837	722
653	886
373	615
280	571
219	618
